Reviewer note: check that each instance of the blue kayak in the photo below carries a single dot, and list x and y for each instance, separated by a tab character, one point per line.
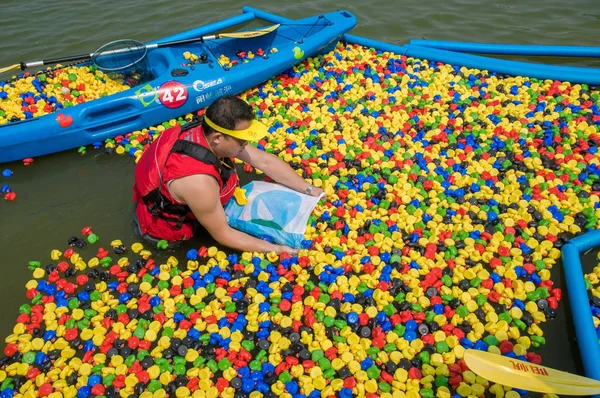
172	87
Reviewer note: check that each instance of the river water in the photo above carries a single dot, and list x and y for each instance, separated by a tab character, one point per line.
60	194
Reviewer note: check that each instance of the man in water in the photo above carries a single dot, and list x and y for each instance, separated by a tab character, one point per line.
185	177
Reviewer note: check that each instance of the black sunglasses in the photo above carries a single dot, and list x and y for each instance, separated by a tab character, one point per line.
241	142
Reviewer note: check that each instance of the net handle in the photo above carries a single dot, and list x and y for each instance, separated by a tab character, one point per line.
85	57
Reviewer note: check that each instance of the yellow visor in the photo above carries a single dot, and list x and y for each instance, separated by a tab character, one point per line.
255	132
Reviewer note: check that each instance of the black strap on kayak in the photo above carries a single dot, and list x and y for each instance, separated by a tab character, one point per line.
158	205
304	35
321	19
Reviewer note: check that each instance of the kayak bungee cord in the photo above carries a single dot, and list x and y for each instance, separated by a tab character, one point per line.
277	33
304	36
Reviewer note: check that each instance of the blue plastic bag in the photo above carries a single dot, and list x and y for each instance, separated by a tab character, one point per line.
274	211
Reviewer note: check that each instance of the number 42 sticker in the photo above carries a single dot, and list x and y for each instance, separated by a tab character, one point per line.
172	94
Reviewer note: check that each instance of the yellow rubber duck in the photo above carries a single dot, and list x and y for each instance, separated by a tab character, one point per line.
240	196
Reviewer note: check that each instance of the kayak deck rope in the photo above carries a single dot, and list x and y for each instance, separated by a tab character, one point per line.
312	26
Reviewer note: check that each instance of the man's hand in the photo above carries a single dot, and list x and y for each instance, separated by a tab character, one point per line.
316	191
279	249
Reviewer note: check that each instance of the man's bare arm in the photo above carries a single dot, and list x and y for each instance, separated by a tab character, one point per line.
201	194
275	168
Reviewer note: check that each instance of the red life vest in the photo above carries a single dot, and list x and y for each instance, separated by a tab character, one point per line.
176	153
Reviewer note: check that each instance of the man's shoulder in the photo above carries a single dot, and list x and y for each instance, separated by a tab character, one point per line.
195	186
198	180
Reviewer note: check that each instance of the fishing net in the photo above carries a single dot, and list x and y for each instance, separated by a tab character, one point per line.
124	60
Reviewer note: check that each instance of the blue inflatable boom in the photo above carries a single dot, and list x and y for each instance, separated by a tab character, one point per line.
587	338
510	49
452	53
539	71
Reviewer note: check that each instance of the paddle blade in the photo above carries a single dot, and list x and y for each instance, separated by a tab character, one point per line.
9	68
528	376
249	34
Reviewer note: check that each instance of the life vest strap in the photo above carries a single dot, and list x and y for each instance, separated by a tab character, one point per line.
158	206
204	155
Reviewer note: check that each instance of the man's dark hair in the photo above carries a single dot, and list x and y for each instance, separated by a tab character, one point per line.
226	112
